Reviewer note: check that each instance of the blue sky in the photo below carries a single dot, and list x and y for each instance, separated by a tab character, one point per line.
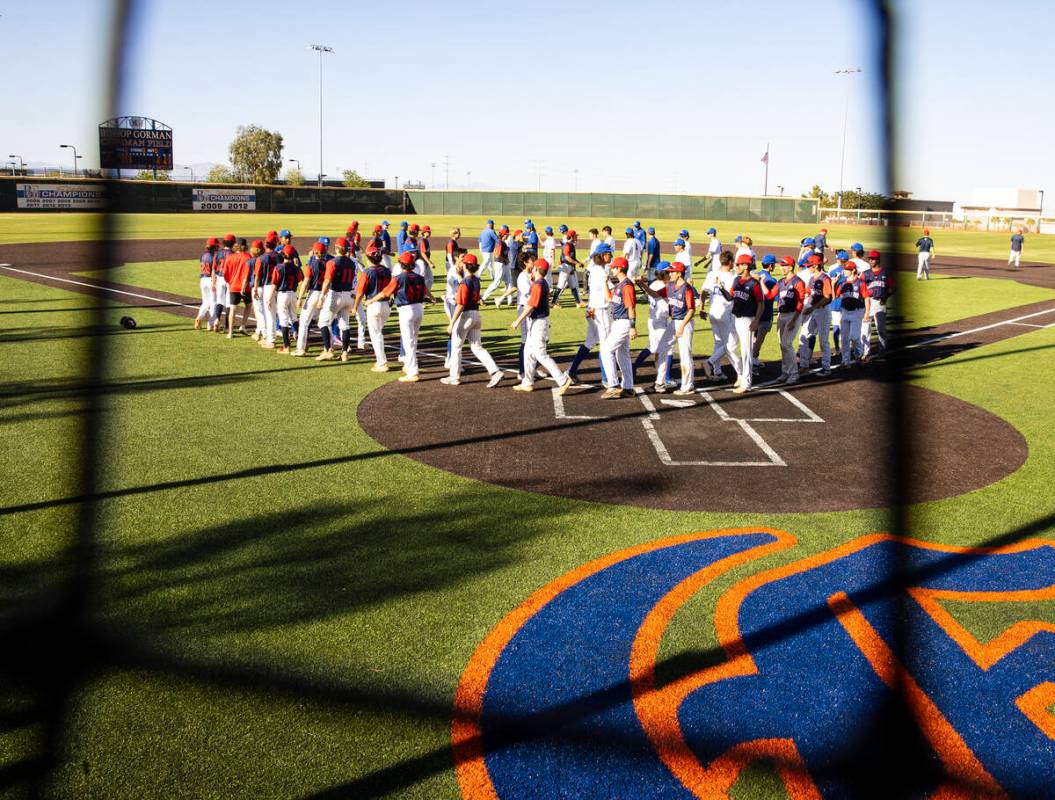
666	97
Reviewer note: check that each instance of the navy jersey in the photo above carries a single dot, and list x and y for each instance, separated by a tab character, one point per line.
924	244
853	294
219	261
819	243
207	265
623	299
1016	242
567	253
341	271
286	276
538	300
880	284
747	294
468	296
820	287
316	269
373	280
265	262
425	246
680	299
514	251
386	243
791	295
410	288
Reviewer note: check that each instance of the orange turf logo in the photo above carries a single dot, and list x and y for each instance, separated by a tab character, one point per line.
568	696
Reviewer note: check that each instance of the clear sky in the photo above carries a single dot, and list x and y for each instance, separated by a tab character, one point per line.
671	96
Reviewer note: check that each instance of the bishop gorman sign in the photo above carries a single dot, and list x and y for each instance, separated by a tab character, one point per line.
135	143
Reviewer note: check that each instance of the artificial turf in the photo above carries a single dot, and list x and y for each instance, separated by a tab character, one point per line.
302	602
68	226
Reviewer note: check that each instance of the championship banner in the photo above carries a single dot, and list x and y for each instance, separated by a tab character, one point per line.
223	199
43	196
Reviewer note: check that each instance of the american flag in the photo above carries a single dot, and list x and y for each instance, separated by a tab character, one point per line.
765	158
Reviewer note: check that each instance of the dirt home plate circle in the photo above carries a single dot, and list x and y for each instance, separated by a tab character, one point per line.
816	446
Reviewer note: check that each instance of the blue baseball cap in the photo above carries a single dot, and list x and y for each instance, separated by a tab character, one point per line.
768	259
637	223
285	234
384	223
563	228
712	230
738	239
549	229
529	224
603	247
842	255
679	243
802	261
684	232
663	266
857	246
324	240
404	224
490	222
808	241
651	229
629	230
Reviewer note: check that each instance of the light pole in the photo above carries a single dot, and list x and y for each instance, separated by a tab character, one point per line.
12	163
432	182
22	164
846	116
781	190
320	49
1040	211
75	157
447	172
190	170
295	161
576	173
468	178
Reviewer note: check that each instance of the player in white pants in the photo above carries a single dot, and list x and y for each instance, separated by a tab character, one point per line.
336	299
615	349
207	281
720	316
536	313
500	266
409	290
598	314
1015	256
372	281
791	294
817	317
679	300
632	254
660	327
285	279
880	283
748	299
855	305
465	326
309	295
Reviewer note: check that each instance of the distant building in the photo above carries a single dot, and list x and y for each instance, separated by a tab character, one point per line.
921	212
1002	209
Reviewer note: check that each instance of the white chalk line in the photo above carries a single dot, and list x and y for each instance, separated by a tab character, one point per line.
947	336
9	268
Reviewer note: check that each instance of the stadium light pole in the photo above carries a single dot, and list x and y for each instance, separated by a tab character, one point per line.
12	163
781	190
576	173
22	163
846	116
75	156
432	182
321	49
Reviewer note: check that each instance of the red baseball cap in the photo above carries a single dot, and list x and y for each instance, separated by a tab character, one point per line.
372	250
229	237
406	258
288	250
814	259
619	261
926	231
517	232
744	258
212	241
353	227
272	235
413	227
341	242
257	244
426	228
378	229
873	254
572	234
542	265
675	266
787	261
319	247
470	258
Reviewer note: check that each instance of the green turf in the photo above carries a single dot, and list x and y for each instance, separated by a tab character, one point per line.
57	227
343	588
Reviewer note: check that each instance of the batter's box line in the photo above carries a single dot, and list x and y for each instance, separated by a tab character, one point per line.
811	415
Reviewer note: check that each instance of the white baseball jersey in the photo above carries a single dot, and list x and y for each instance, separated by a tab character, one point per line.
742	249
597	281
524	287
688	248
610	242
720	307
684	258
453	282
549	249
594	244
658	310
632	252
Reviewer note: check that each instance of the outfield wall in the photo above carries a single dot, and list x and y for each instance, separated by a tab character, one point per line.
72	194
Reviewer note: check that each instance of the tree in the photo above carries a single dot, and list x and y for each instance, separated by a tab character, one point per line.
825	199
220	173
294	177
148	175
353	180
256	154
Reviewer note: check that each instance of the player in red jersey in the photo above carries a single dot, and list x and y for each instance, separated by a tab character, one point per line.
536	312
371	282
465	326
409	290
237	276
335	301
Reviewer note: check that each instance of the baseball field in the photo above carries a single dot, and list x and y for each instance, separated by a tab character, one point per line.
311	580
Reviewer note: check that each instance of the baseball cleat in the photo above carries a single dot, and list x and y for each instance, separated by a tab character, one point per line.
344	356
379	368
325	355
523	387
197	324
268	345
612	393
826	371
299	354
740	389
230	336
684	392
660	388
792	379
567	385
447	380
284	350
496	379
708	370
409	378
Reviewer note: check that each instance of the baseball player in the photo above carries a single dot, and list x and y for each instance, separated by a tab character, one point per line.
817	316
370	284
386	245
615	349
285	277
640	235
335	301
453	246
568	276
769	293
257	269
425	256
355	241
880	283
285	239
207	282
1017	240
744	246
820	242
401	236
746	297
488	240
683	256
536	312
714	249
806	248
718	286
266	289
311	288
837	272
598	315
237	276
410	292
653	255
516	243
632	253
791	295
855	303
857	255
530	243
607	238
683	234
465	325
221	296
503	273
549	246
680	298
925	252
660	328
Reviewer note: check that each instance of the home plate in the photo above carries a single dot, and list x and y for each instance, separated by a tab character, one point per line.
679	403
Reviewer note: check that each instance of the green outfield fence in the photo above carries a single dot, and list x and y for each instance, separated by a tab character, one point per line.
646	206
176	197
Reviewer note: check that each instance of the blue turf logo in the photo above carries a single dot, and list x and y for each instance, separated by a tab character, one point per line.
564	698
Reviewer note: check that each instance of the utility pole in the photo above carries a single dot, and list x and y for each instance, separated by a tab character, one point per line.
765	182
576	171
846	117
781	190
321	49
432	183
447	172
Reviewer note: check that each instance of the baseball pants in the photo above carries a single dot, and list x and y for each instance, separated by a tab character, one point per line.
448	307
387	260
597	327
688	369
1015	258
661	343
307	315
336	305
745	338
487	262
923	266
851	334
206	309
724	340
535	354
287	308
818	324
376	317
270	312
258	311
878	319
467	329
615	351
787	328
220	299
409	326
567	279
503	274
425	271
